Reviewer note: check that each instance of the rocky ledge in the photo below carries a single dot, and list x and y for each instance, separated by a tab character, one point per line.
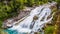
22	13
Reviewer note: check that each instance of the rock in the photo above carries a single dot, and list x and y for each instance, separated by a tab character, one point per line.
7	23
22	13
35	17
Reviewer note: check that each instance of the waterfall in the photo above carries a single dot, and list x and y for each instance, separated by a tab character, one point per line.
30	25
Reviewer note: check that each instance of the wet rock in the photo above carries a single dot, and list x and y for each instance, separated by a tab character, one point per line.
7	23
35	32
35	17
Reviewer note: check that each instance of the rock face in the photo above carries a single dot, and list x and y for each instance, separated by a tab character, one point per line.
22	13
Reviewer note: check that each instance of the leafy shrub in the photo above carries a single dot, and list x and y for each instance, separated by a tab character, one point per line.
49	30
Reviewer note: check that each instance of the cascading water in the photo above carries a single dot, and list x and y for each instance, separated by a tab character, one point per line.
29	25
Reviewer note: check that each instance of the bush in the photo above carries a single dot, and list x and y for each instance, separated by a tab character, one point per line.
0	23
49	30
7	11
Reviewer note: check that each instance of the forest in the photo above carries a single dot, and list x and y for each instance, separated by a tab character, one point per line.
10	8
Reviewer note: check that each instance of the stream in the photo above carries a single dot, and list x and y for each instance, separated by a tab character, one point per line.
30	25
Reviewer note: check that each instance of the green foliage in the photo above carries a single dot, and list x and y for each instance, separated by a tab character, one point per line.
29	2
49	30
45	1
0	23
8	10
58	1
3	11
19	4
13	5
